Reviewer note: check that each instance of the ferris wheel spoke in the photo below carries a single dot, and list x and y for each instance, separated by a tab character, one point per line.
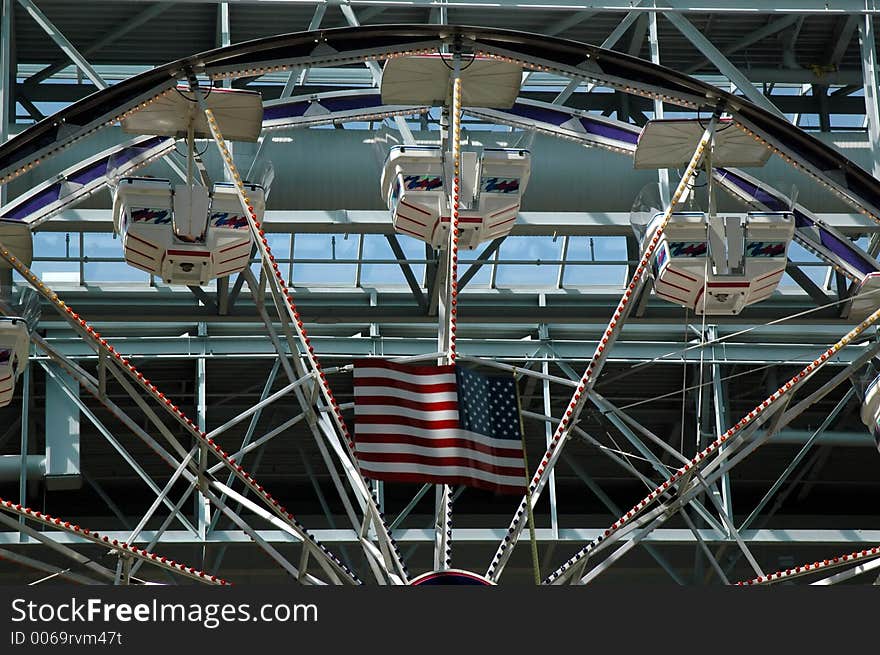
594	368
623	422
190	469
296	334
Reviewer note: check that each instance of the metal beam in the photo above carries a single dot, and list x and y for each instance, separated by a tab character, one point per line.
130	23
771	28
804	282
721	62
609	42
7	79
869	75
61	41
408	274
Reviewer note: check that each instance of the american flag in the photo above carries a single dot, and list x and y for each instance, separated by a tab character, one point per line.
437	424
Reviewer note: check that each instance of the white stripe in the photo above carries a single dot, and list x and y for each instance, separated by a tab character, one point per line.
382	428
464	451
385	410
366	371
410	467
418	396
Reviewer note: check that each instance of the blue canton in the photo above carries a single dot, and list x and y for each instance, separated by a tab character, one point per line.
487	404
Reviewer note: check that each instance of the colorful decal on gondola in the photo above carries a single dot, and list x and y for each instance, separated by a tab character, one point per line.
422	182
499	185
687	249
228	221
662	256
765	249
149	215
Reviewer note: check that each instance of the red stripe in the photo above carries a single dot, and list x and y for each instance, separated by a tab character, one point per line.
418	209
428	442
404	402
8	377
146	243
464	219
494	225
411	220
687	277
189	253
766	286
697	299
226	261
138	252
445	424
412	369
389	476
781	270
405	386
403	229
514	207
229	270
671	297
239	245
7	389
674	286
428	460
730	284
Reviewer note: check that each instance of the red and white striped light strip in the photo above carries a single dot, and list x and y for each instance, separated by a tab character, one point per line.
806	569
289	306
703	455
454	232
588	379
452	309
101	345
118	546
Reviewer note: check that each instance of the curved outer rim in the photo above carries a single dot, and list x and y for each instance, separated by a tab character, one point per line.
355	44
462	573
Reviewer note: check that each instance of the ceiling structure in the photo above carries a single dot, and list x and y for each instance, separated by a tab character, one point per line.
538	300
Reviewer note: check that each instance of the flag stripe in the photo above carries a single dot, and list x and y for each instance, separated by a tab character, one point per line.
402	376
389	392
437	424
403	420
405	412
440	441
368	402
411	369
437	455
440	386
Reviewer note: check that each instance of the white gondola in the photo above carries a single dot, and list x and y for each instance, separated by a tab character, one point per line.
416	179
16	237
712	264
184	235
866	299
189	233
871	410
721	264
415	188
14	341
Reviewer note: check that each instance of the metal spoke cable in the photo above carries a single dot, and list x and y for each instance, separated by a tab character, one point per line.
685	473
711	342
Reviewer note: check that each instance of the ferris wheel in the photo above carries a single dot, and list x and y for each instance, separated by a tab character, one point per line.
454	196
